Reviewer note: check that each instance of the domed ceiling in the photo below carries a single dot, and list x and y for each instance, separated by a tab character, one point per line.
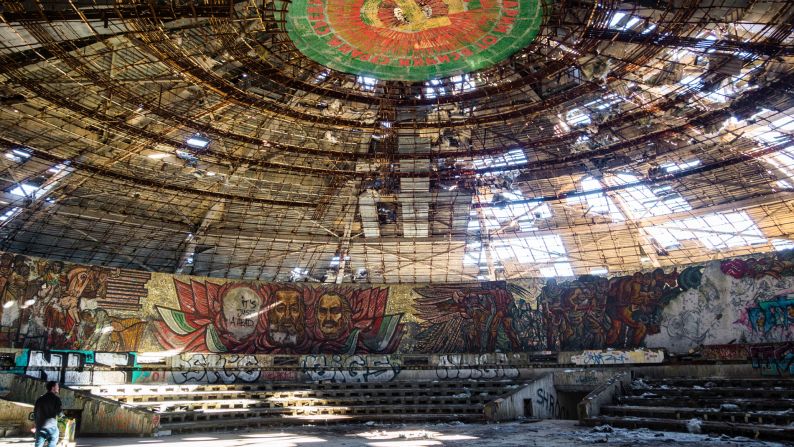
396	140
408	40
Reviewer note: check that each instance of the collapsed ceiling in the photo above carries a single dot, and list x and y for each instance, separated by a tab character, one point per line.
194	137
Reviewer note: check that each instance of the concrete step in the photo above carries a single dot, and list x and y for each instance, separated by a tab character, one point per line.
755	431
216	415
746	382
724	392
405	394
312	410
746	404
746	417
253	422
114	390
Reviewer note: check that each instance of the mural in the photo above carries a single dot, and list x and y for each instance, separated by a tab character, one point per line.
51	305
278	319
587	313
46	304
414	40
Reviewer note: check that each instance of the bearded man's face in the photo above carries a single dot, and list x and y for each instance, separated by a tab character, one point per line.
286	319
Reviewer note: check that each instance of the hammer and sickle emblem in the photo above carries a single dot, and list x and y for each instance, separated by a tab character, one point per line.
410	15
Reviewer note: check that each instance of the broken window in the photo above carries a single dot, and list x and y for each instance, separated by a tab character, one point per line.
622	21
18	155
782	244
547	252
596	202
776	132
9	214
387	213
367	83
642	202
335	261
577	117
462	84
514	157
715	231
434	88
680	166
518	216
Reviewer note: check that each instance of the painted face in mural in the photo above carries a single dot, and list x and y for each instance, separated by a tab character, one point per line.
286	319
6	261
240	310
333	315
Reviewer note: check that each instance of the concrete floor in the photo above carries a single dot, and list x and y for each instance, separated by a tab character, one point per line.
541	434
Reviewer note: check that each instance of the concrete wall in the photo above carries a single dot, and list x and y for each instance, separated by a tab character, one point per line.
52	305
17	413
604	394
737	301
553	395
98	415
539	397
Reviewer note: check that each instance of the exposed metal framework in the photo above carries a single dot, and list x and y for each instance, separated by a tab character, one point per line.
193	137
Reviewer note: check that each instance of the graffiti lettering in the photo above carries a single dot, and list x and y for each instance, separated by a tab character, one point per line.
547	401
346	369
213	368
618	357
452	367
773	360
765	316
78	367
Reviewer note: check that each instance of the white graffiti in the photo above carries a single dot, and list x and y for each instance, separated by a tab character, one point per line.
353	368
483	366
611	357
80	367
214	368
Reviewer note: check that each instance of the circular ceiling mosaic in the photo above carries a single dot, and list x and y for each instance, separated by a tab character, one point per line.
412	40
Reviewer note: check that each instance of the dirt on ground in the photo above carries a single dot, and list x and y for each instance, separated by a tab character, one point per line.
551	433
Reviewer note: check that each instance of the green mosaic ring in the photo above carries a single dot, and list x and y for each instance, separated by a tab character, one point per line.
412	40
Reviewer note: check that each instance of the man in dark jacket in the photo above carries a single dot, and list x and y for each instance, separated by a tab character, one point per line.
45	412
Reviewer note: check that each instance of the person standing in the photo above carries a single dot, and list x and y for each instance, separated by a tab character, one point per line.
45	412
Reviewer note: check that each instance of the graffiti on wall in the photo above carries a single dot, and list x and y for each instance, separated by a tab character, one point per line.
547	401
478	367
776	314
278	319
214	368
350	368
79	367
776	265
618	357
773	359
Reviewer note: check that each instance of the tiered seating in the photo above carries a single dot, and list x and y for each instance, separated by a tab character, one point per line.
756	408
185	408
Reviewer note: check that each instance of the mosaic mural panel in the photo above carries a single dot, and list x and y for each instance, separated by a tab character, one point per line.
412	40
51	305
